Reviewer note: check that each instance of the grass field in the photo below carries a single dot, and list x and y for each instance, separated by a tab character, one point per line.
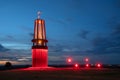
61	74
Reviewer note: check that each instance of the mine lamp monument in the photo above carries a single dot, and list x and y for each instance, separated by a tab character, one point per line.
39	48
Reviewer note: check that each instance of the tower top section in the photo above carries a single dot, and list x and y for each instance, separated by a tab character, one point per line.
38	13
39	39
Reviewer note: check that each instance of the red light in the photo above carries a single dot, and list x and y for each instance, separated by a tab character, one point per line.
87	65
76	65
98	65
69	60
39	58
86	59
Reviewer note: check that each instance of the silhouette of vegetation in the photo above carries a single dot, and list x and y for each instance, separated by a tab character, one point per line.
8	64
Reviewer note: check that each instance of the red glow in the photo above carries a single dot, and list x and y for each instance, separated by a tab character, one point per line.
69	60
98	65
76	65
87	65
39	58
86	59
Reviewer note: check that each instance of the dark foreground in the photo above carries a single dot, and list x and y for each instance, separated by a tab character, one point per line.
61	74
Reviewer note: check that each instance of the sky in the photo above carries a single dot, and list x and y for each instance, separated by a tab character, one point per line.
74	28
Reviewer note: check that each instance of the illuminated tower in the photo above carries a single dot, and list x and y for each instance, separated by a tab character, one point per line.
39	48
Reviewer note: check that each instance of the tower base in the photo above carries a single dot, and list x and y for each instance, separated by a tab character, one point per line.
40	58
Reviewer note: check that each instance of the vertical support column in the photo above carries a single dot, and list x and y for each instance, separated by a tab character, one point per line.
39	57
39	48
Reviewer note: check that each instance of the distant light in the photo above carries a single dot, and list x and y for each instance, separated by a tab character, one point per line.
69	60
76	65
86	59
87	65
98	65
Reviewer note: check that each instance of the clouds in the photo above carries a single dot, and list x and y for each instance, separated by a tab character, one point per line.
3	49
31	34
14	55
108	44
21	56
116	30
64	49
83	34
74	27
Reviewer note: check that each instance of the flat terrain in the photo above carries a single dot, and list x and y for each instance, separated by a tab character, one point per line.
61	74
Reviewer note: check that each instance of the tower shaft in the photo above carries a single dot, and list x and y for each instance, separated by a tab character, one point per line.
39	48
39	57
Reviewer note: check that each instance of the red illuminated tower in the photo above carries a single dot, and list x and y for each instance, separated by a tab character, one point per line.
39	48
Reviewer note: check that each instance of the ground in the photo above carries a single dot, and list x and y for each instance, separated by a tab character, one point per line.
61	74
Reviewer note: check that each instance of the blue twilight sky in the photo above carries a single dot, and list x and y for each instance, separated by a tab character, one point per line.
75	28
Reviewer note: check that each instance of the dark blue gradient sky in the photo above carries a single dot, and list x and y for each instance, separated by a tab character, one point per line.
75	28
